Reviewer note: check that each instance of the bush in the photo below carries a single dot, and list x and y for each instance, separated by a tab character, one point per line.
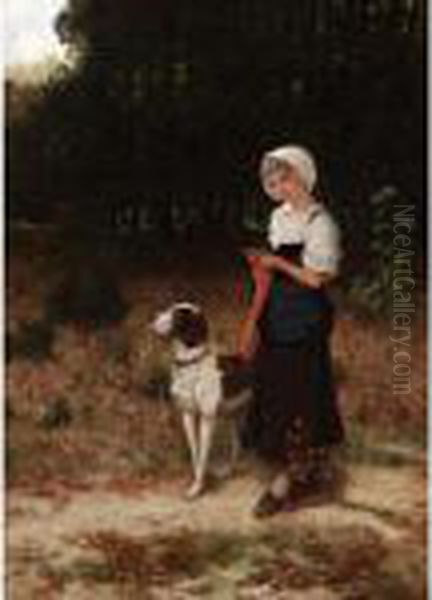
33	341
56	414
370	286
87	296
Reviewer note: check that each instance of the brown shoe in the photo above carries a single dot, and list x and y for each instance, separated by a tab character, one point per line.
307	493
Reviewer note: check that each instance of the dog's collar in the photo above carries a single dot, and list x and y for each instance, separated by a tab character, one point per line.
186	362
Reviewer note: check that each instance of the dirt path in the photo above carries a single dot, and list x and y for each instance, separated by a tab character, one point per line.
97	543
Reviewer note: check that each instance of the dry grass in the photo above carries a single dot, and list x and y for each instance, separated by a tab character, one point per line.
351	557
352	562
136	566
115	429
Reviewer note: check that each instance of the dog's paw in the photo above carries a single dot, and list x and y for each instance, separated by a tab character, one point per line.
195	490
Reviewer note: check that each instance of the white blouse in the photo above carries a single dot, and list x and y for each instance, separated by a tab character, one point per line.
315	228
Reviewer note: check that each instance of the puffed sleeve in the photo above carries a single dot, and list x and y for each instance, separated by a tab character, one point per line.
322	250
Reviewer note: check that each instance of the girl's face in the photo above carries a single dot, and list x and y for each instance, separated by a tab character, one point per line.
284	185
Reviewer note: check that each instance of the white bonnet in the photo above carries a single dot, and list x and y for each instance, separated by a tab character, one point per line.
300	159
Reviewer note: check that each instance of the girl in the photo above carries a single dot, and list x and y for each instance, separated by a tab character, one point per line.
294	418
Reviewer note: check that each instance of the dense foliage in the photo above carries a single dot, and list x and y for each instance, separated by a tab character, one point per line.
161	125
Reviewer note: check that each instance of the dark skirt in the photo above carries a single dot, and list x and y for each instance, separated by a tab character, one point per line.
294	407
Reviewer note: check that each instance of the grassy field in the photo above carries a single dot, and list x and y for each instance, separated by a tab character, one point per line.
82	424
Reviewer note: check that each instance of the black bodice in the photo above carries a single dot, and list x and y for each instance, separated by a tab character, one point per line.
293	310
290	251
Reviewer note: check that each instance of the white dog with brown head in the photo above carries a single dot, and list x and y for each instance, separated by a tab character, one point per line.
203	385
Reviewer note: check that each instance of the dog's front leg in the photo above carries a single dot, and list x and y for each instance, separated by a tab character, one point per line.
206	431
190	429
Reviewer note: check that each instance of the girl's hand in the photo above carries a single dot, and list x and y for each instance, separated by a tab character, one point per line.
260	258
253	256
267	262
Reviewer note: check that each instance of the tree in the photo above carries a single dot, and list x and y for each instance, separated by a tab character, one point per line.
173	104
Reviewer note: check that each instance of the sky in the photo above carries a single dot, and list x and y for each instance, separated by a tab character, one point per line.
30	37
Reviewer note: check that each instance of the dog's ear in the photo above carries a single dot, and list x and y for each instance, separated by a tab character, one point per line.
190	327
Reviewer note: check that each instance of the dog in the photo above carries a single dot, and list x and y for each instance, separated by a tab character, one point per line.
204	386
